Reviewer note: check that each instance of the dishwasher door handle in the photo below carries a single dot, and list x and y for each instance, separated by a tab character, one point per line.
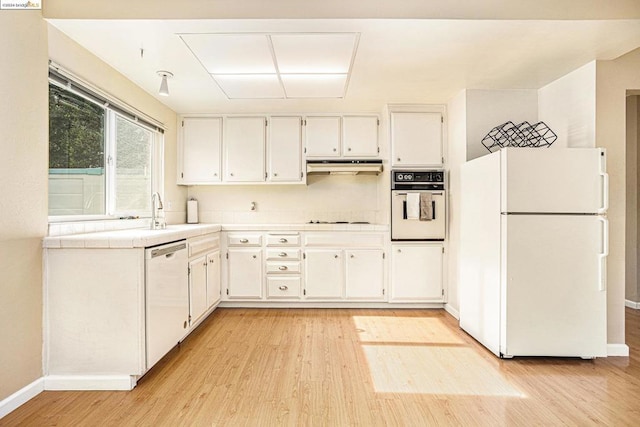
169	250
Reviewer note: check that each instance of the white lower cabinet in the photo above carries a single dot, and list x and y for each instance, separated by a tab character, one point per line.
324	274
204	275
197	288
364	274
416	273
214	292
244	273
305	266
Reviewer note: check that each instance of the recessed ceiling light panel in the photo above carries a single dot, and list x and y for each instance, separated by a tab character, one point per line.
314	85
314	53
277	65
232	53
249	86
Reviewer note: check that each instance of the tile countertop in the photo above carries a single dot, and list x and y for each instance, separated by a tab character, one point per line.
143	237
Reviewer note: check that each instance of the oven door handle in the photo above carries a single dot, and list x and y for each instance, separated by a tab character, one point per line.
434	193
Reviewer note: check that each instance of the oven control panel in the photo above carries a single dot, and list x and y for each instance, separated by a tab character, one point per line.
418	177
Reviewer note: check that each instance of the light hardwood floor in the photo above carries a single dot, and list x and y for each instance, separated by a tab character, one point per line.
330	367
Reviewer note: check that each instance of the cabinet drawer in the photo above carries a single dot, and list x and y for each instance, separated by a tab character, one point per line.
244	239
283	240
283	287
346	240
202	244
283	267
284	254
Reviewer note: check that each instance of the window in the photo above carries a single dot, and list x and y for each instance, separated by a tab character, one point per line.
101	158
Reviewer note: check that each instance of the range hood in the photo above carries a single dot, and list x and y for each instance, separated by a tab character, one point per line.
344	167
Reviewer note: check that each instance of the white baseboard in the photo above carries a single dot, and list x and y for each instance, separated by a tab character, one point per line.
617	350
21	397
89	382
632	304
452	311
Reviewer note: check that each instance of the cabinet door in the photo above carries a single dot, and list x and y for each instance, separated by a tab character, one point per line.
200	147
322	136
360	136
416	139
324	274
213	278
197	288
416	273
364	274
244	147
285	149
245	273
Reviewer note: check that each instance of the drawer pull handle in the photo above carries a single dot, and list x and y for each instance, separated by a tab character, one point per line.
244	240
282	254
282	267
283	240
283	288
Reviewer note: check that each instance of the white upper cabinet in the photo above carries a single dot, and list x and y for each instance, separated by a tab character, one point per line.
360	136
416	139
244	148
341	136
323	136
200	150
284	163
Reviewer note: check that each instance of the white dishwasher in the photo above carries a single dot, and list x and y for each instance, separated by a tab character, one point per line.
167	298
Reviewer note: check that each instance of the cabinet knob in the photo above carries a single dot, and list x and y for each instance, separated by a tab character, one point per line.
205	263
283	288
282	268
349	149
335	256
353	256
398	158
244	240
275	174
232	174
282	254
184	325
335	149
215	174
399	250
254	257
283	240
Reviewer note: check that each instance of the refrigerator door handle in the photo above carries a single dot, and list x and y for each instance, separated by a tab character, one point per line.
602	257
605	192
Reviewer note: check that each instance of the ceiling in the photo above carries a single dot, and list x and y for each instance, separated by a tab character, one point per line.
397	60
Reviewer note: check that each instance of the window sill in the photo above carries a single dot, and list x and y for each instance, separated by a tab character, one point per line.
63	226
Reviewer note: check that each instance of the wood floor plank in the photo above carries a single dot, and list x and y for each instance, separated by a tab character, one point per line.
348	367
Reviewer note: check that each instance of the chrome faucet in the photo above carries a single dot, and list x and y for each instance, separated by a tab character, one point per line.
157	219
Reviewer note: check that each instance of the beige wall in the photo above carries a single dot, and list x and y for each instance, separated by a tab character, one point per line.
82	63
613	79
457	113
568	106
23	205
631	256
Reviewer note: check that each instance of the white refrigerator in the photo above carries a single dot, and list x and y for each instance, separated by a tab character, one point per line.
533	251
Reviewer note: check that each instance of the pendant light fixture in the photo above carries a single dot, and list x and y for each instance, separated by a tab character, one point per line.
164	87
